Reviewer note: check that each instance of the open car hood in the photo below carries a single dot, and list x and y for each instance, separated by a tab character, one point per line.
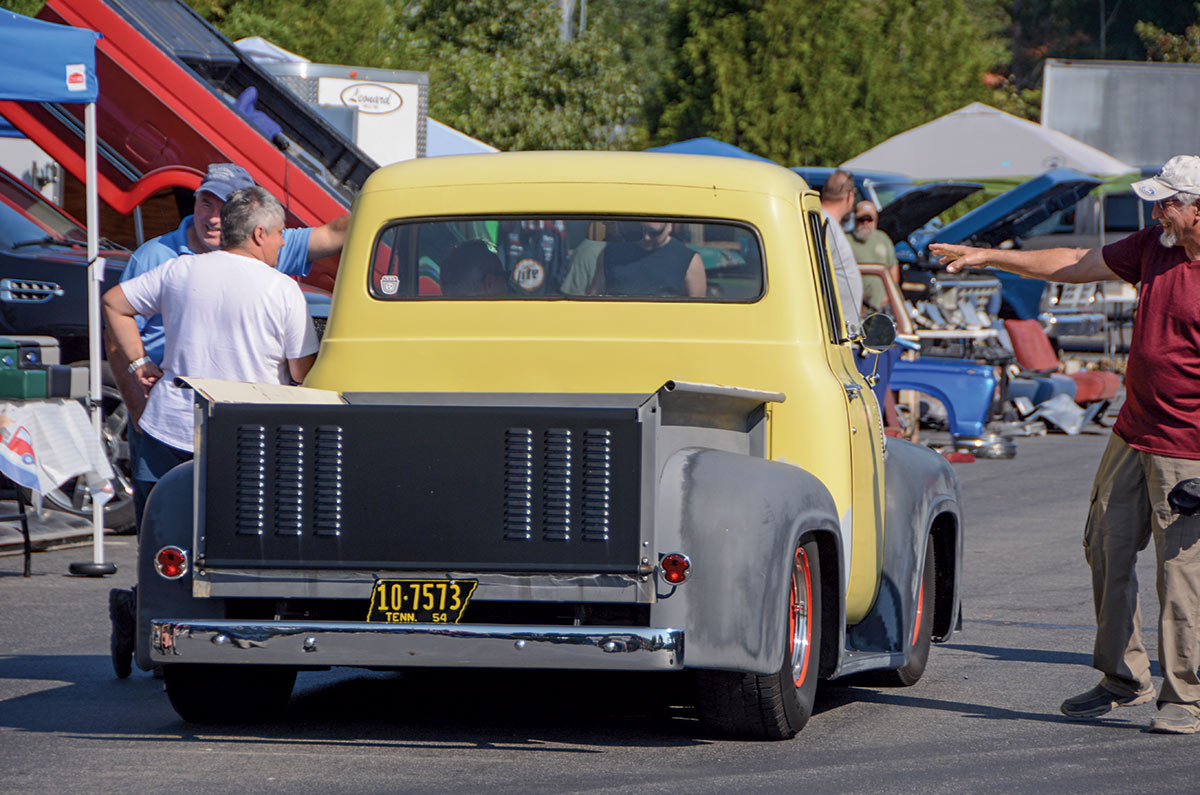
914	208
1015	212
166	110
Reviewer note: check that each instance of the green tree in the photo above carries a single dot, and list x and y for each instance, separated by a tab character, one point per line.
929	57
1170	47
1040	29
359	32
818	82
639	29
27	7
498	68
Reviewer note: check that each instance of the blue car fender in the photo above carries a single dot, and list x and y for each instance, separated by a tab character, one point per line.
965	388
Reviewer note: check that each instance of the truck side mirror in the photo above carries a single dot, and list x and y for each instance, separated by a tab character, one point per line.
878	333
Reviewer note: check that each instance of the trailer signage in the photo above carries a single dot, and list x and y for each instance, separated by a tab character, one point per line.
371	98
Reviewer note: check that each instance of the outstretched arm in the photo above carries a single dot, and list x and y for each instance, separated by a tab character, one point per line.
327	240
1072	265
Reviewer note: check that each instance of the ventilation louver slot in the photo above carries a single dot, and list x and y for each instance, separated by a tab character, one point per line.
251	470
289	480
597	484
327	481
28	291
556	485
518	484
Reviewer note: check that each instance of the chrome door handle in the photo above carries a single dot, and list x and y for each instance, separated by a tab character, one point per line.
853	390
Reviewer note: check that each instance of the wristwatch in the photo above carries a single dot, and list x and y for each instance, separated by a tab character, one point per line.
136	363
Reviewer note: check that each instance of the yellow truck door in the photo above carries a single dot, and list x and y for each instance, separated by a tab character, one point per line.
862	523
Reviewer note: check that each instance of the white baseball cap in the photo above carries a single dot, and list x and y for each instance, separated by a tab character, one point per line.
1180	174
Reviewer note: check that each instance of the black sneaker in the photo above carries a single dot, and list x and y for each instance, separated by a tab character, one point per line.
1100	701
124	626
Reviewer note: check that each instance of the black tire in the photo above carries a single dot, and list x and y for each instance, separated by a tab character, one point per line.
75	497
228	693
773	706
922	636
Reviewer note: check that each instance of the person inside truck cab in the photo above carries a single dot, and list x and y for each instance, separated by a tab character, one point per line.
650	262
472	269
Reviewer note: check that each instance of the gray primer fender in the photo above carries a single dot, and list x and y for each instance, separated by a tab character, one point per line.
738	519
168	521
921	485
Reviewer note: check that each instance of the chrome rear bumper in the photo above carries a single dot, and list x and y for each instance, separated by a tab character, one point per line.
323	643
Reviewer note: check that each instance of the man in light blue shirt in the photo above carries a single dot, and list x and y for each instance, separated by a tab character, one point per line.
201	232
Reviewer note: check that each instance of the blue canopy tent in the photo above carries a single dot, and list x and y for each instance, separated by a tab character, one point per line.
45	62
707	146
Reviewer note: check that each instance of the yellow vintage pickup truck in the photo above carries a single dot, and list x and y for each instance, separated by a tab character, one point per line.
594	411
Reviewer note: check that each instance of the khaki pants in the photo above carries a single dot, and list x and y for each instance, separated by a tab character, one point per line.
1129	506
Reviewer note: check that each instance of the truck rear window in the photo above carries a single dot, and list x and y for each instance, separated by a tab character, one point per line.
598	258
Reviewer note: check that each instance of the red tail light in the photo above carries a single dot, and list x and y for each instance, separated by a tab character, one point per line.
675	567
171	562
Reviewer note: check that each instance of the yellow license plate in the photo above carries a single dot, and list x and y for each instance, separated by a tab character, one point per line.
420	601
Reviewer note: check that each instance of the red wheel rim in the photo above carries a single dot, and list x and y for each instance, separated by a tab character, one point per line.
800	618
920	612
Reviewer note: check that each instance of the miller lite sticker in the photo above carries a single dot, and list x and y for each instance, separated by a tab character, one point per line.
76	77
529	275
389	284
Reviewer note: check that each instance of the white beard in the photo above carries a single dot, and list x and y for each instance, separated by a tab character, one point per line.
1168	239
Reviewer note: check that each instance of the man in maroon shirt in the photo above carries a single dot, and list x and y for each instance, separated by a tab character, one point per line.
1155	445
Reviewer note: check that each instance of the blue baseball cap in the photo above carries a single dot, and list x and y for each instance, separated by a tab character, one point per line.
223	179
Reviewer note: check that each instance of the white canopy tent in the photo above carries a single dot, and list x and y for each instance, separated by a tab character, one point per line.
979	142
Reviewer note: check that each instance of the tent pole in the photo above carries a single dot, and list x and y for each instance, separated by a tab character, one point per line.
97	568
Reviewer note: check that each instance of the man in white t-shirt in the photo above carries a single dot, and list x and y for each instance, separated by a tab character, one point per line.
226	314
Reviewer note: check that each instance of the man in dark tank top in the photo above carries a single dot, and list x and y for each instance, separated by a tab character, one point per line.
657	264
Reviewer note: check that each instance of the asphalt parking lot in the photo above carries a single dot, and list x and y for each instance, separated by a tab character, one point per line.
984	719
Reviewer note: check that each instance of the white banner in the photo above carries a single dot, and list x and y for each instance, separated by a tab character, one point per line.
44	443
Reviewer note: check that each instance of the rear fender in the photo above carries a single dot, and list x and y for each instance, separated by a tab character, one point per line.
738	519
922	498
168	521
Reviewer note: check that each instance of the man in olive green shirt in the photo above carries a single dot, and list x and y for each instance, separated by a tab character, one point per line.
870	245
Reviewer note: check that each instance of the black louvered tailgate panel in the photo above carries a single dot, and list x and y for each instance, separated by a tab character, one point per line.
420	487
